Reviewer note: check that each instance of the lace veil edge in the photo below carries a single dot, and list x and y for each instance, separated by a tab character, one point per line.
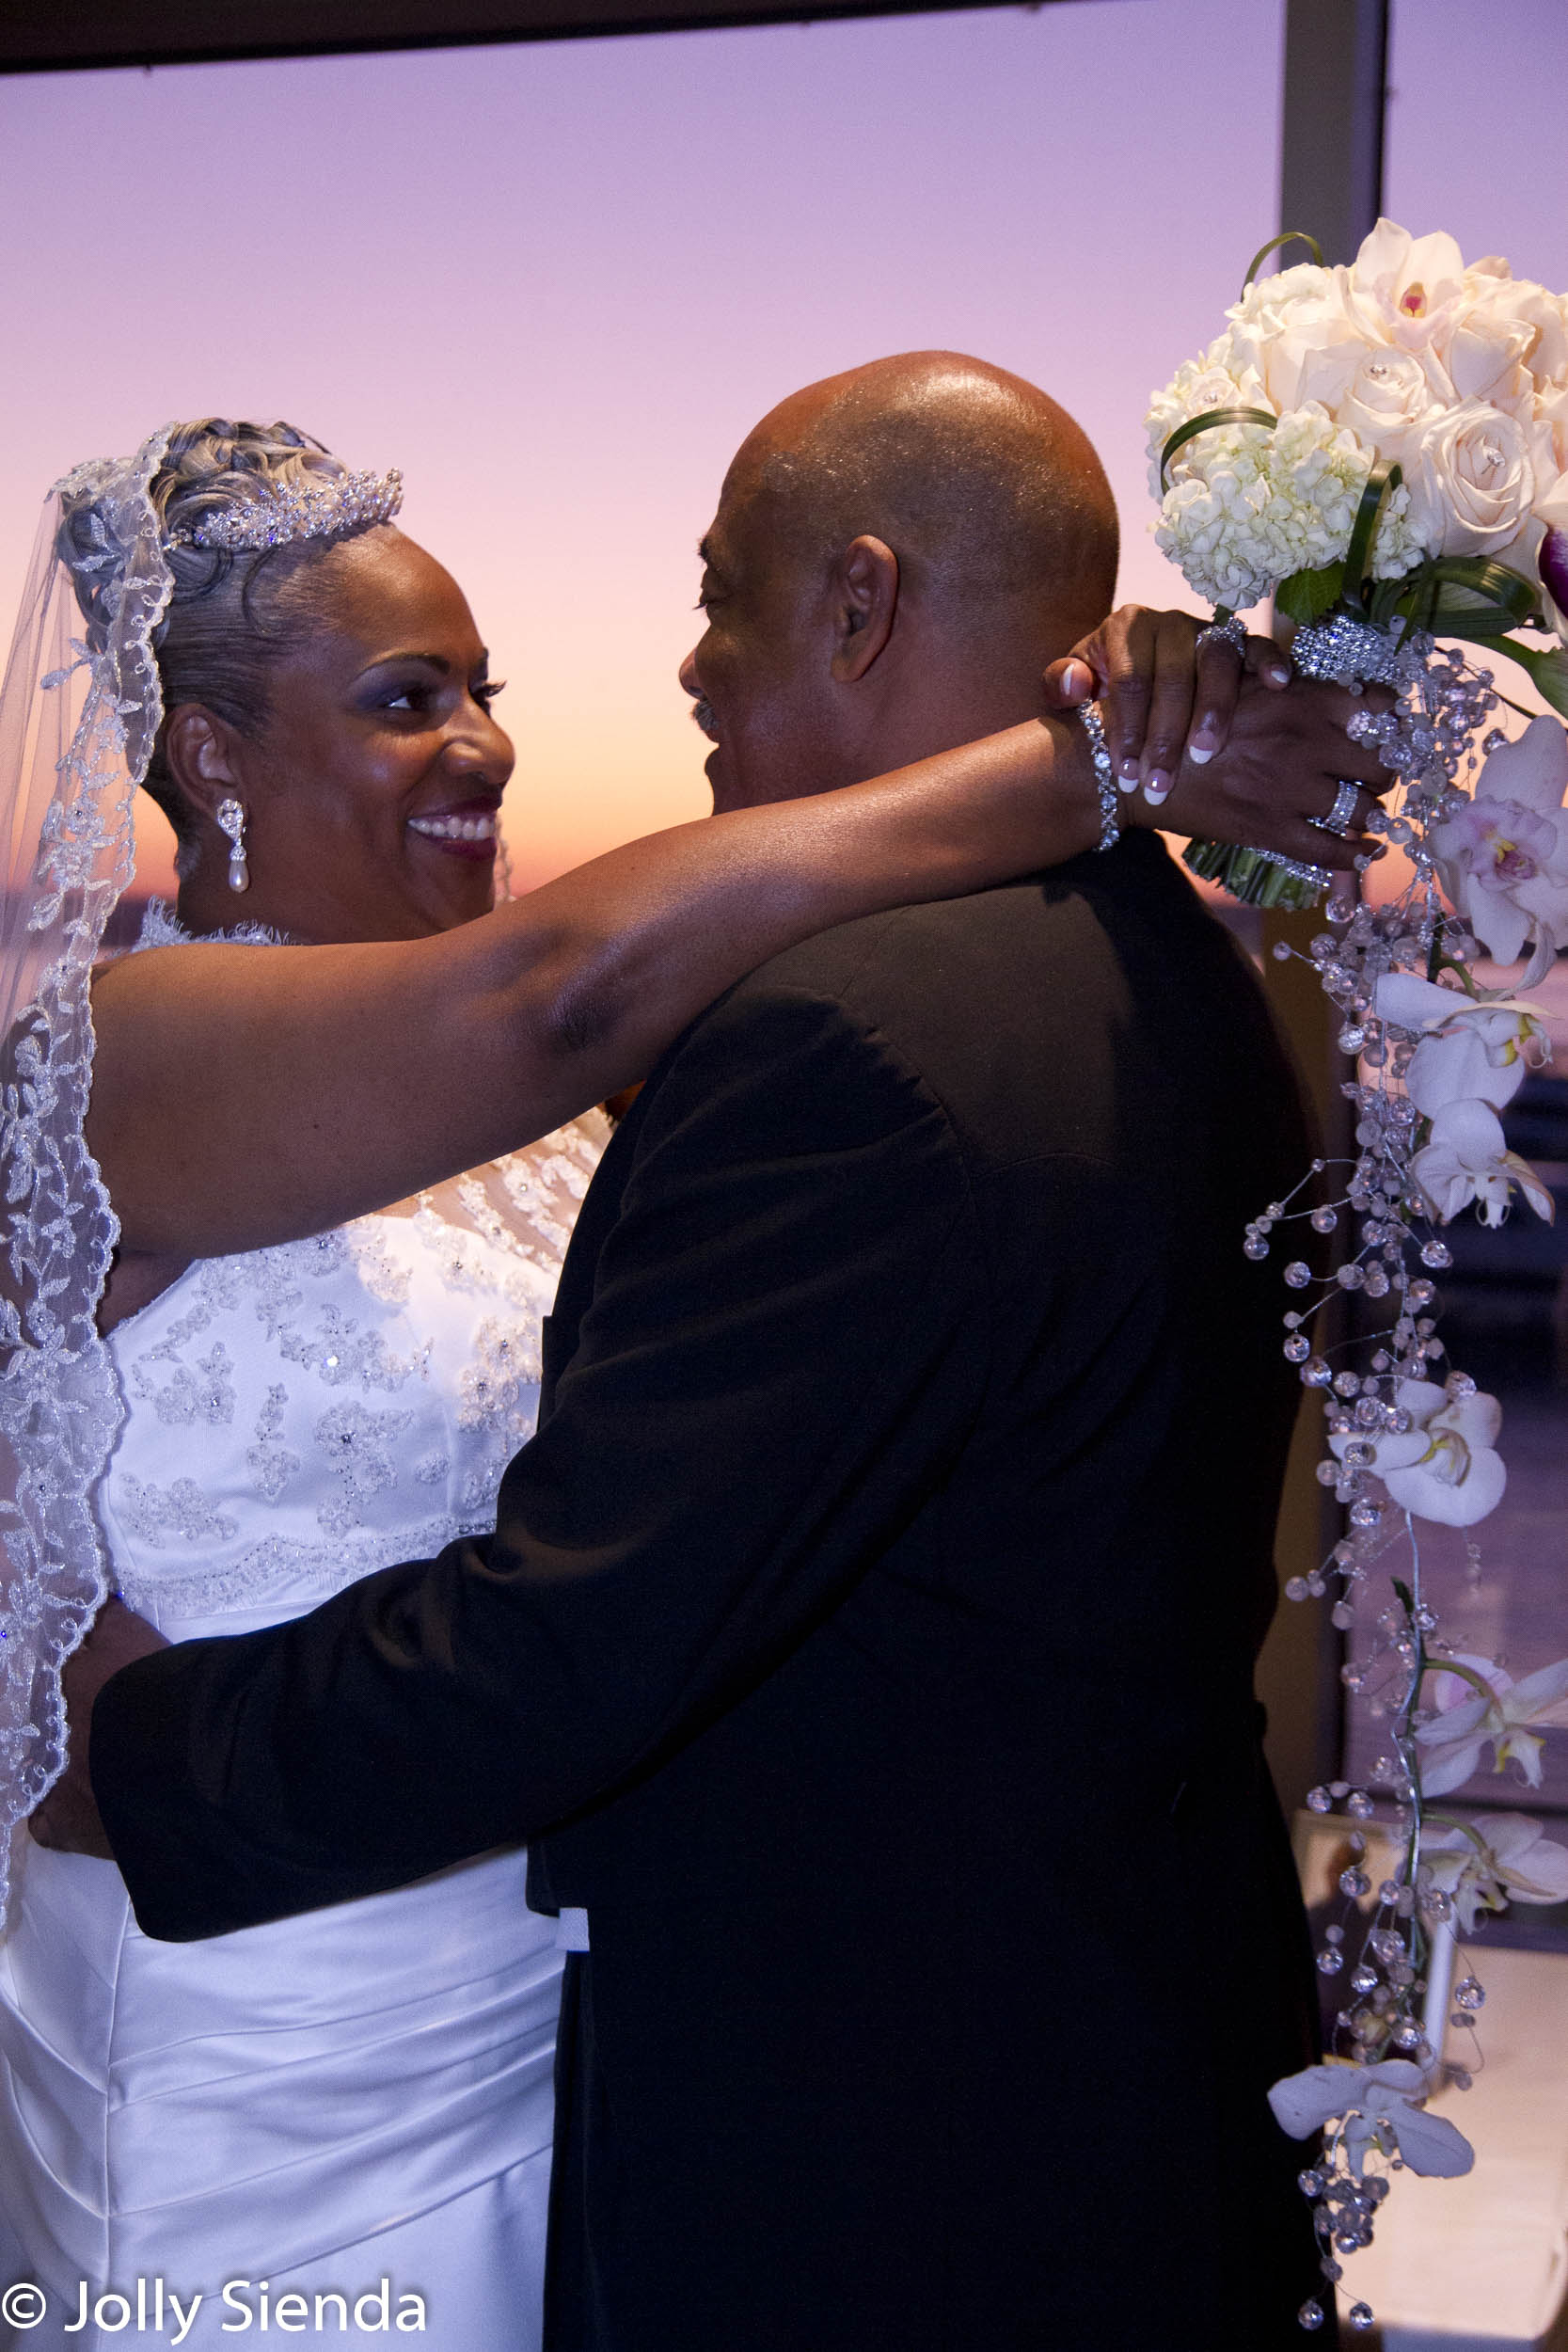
80	707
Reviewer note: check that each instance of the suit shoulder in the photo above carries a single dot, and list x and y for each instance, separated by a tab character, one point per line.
1081	934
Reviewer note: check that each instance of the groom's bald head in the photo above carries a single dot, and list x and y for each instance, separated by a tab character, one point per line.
970	473
898	553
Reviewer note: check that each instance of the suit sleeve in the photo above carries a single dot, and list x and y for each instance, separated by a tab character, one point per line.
756	1403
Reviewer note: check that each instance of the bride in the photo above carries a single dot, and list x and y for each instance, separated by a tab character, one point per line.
251	1380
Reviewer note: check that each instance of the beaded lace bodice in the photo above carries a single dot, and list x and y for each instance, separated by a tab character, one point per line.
298	1416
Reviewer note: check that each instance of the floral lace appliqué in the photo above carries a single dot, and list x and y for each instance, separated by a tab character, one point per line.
205	1394
178	1512
384	1374
497	1389
358	1445
269	1460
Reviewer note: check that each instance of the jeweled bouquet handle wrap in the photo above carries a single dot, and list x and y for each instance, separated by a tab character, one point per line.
1383	449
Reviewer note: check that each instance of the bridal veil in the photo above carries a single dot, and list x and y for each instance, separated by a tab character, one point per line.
80	709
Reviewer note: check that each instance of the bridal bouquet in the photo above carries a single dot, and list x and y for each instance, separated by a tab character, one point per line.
1386	444
1384	449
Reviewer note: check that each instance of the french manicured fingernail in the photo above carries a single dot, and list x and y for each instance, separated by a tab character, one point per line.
1199	753
1278	674
1126	767
1157	788
1077	679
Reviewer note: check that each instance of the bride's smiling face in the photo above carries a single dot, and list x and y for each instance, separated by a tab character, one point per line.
372	794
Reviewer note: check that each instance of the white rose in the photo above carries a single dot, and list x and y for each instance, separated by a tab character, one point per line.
1295	334
1390	400
1537	320
1471	480
1485	350
1199	385
1551	418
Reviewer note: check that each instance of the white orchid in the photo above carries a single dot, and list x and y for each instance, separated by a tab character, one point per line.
1377	2104
1476	1706
1491	1860
1445	1466
1466	1157
1504	856
1472	1049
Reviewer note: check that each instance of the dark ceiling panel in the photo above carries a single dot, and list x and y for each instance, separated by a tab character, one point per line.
38	38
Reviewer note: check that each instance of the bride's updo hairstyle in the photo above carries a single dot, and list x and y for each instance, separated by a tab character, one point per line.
232	616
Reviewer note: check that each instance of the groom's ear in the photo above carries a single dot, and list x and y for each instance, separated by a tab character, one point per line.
864	591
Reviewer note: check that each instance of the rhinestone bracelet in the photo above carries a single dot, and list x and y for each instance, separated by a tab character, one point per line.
1104	778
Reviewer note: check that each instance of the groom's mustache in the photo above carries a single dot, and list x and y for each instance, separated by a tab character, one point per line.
701	715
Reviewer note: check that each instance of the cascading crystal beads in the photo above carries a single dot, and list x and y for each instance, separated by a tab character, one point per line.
1386	1229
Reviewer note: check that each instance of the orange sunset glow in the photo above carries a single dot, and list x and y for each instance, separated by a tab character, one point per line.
556	283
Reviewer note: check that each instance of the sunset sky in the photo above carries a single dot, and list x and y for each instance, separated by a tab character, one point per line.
556	283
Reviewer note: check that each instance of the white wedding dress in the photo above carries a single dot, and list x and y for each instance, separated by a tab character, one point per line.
362	2093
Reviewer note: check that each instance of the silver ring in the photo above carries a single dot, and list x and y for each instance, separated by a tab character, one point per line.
1341	817
1231	632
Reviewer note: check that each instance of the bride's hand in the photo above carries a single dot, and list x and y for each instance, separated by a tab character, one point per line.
68	1818
1265	755
1165	696
1278	778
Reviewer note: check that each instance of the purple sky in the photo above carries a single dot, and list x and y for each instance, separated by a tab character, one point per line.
556	284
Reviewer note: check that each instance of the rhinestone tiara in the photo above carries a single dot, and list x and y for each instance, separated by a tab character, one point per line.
312	509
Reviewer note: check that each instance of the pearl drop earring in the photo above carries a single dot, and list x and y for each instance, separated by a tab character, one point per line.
231	820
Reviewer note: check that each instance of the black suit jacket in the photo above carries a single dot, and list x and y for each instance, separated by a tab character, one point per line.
865	1641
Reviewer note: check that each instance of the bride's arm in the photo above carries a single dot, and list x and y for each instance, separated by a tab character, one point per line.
245	1095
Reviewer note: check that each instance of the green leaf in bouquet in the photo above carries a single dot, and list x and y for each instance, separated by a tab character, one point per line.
1384	477
1400	599
1471	597
1285	236
1475	588
1306	597
1546	667
1207	423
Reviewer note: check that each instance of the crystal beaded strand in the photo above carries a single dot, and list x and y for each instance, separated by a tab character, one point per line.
1394	1247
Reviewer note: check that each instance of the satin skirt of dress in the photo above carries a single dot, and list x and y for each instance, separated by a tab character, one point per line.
361	2093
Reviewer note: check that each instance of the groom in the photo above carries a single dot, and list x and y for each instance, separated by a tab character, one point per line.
865	1641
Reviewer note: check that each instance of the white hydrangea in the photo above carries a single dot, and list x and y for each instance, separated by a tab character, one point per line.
1248	505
